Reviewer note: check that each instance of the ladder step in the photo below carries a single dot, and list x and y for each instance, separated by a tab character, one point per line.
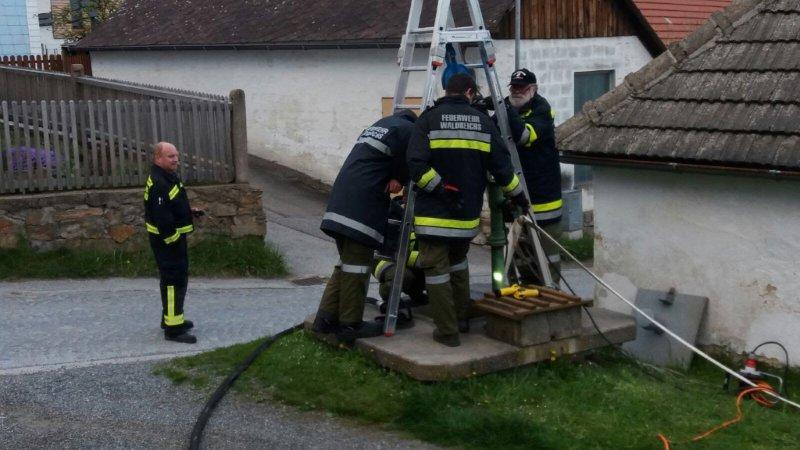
408	106
415	69
422	30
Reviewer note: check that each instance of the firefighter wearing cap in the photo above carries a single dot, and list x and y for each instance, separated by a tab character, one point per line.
451	149
168	219
356	217
539	157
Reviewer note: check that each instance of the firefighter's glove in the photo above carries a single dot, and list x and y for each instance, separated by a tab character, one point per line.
522	202
451	195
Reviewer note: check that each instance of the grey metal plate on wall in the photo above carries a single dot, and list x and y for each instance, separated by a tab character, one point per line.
681	313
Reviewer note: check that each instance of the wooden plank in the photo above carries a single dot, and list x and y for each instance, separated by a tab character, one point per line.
54	149
110	137
216	151
227	140
70	121
515	303
500	309
154	121
162	121
102	143
21	157
82	176
188	154
95	171
124	169
135	104
32	127
202	170
7	184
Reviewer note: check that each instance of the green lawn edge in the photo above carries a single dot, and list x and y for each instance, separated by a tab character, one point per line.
212	256
602	402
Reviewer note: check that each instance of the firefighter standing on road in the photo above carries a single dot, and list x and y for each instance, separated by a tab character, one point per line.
539	159
356	217
168	218
452	148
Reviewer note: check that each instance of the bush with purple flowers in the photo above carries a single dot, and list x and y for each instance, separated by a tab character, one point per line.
24	159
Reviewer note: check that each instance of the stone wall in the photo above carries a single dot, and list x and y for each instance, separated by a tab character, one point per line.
109	219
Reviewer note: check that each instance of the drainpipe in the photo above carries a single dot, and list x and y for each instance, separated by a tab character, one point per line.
517	31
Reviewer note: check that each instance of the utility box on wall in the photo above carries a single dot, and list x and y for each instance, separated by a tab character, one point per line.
572	213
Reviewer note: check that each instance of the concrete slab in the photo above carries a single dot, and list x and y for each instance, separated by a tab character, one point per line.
413	351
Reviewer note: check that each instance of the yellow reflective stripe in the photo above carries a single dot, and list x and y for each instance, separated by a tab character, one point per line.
171	319
532	136
552	114
174	320
426	178
412	237
186	229
149	181
174	192
146	193
379	268
446	223
173	238
412	259
542	207
526	113
512	185
468	144
151	228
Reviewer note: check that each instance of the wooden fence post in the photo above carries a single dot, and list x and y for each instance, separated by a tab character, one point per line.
75	72
239	135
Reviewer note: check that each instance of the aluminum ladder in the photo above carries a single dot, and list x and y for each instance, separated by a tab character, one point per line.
437	37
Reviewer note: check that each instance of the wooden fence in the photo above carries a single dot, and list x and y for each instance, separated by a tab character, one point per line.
52	63
20	84
68	144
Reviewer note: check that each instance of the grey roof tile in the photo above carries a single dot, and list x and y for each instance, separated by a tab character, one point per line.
734	101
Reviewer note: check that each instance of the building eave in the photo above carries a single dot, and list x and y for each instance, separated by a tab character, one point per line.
340	45
679	167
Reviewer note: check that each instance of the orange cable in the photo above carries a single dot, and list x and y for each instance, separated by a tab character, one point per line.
754	393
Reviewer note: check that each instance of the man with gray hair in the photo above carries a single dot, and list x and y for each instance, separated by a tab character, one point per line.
168	218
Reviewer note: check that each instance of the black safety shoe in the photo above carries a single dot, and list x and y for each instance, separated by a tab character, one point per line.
184	338
186	325
325	323
463	325
348	333
450	340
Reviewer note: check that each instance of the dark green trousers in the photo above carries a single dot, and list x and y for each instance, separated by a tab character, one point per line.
347	288
447	281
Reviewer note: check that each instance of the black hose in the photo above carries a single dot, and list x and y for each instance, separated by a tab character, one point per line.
786	363
222	389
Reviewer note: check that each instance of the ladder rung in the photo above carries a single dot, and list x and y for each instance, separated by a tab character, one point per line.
415	69
408	107
474	65
422	30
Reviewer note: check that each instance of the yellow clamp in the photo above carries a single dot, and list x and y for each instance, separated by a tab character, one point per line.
518	292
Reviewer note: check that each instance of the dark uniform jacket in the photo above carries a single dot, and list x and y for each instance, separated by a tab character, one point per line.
166	206
539	159
456	144
358	205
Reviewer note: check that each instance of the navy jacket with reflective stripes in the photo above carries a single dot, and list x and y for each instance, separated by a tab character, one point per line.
359	204
167	213
539	157
455	144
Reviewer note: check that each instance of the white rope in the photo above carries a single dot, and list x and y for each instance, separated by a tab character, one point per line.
656	323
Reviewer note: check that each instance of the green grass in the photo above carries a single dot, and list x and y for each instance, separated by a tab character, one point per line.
582	248
212	256
606	402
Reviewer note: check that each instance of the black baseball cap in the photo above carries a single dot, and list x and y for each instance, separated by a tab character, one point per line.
522	77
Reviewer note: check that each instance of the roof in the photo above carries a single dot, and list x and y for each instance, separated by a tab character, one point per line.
673	20
203	24
726	96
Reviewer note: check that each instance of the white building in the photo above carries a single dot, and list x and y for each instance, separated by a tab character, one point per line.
24	28
315	72
697	176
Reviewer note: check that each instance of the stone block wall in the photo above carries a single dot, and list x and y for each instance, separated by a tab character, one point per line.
114	218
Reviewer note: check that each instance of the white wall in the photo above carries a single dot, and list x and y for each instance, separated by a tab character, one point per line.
32	18
305	108
733	239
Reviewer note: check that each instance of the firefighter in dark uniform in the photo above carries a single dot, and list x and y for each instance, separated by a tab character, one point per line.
540	162
168	218
452	148
356	217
